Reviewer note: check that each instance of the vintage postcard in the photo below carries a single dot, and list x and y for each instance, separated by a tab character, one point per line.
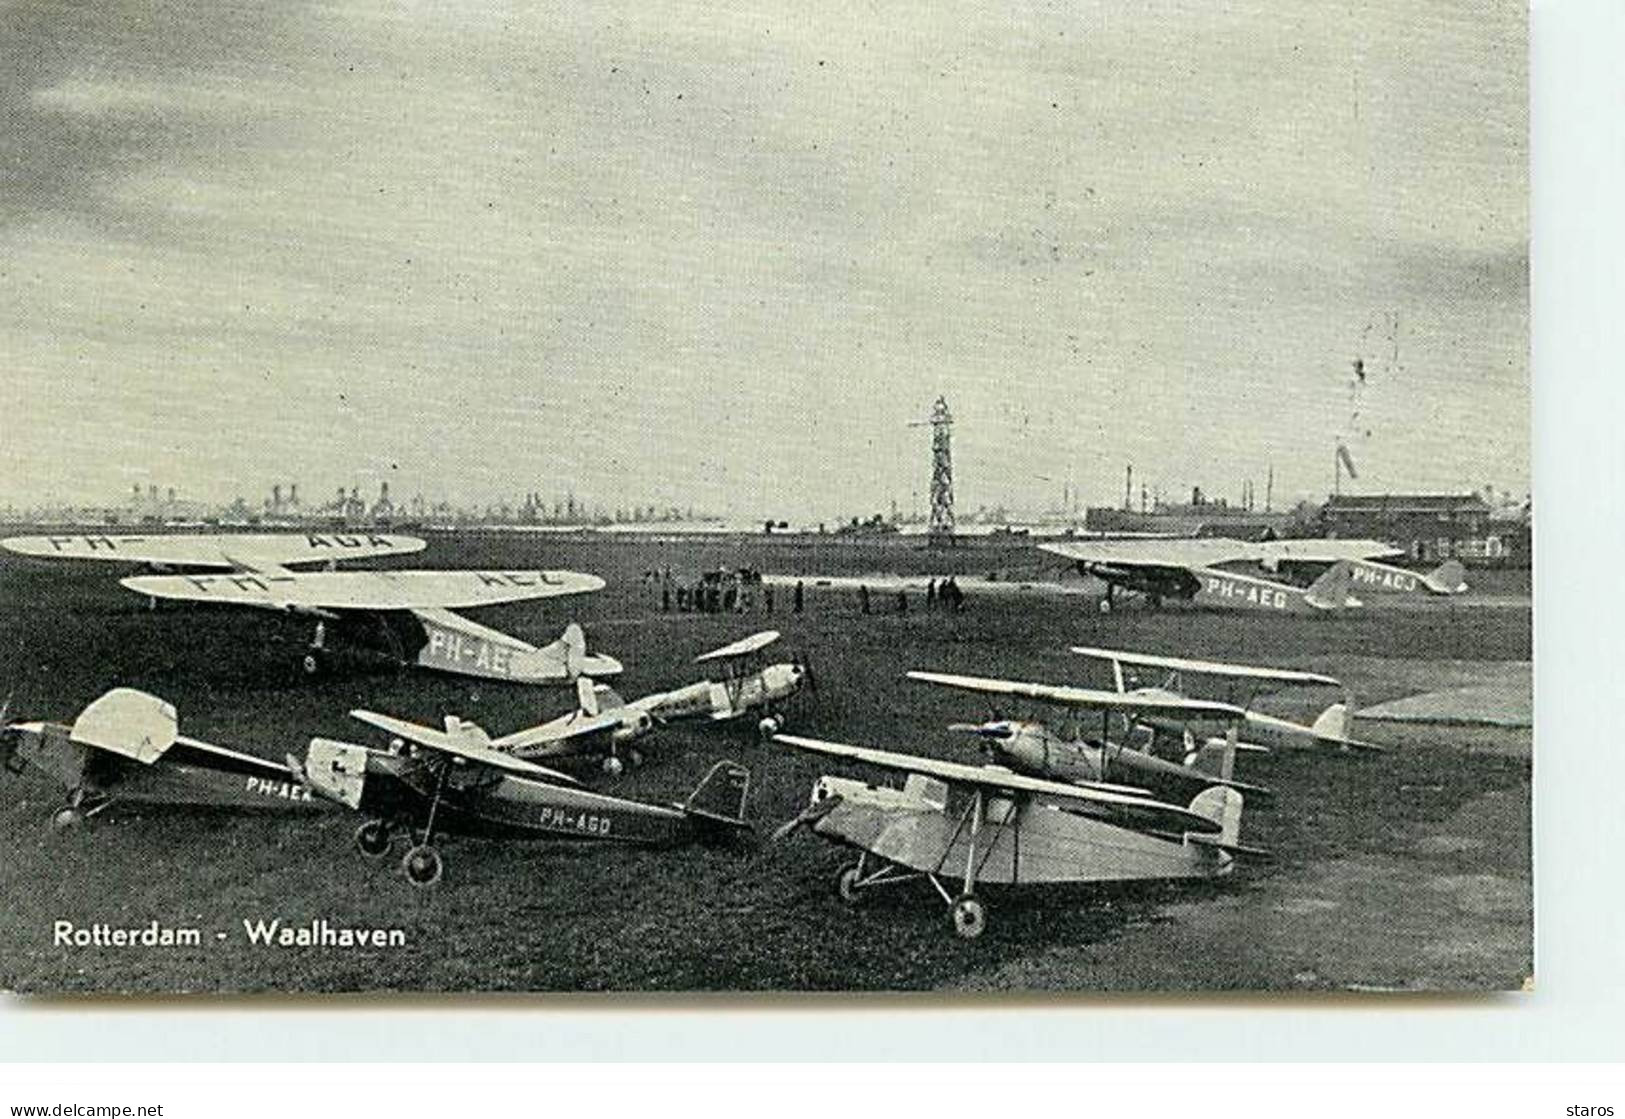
686	497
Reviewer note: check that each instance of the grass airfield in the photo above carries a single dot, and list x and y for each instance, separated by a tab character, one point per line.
1404	871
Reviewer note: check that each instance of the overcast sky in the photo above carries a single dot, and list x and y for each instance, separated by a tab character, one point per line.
679	254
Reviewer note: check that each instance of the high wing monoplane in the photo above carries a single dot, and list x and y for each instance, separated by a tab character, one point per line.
406	614
1330	728
1192	570
456	781
126	747
1076	756
1008	829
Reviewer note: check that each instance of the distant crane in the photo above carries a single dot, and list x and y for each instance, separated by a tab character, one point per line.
941	528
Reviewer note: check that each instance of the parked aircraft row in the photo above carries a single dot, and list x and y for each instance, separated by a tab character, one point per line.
407	614
1045	807
1138	781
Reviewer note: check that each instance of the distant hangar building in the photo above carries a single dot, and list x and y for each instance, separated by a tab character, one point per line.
1433	527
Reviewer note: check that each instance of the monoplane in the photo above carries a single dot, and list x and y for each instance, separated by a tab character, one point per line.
1007	829
126	747
1192	570
1245	682
432	782
406	614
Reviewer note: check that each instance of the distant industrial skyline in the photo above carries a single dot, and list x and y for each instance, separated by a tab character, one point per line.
684	255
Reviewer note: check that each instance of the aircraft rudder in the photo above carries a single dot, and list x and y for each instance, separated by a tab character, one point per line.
1332	591
720	797
1450	577
1222	805
1332	724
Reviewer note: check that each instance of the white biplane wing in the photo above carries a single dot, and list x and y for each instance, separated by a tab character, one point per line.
745	646
1144	811
470	745
1207	668
379	591
230	551
1091	698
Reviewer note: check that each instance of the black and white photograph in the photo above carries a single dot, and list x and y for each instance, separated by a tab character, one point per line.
665	498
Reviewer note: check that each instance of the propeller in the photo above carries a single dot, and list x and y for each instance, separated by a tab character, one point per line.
807	817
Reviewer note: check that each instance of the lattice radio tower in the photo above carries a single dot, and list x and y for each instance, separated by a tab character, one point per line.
941	529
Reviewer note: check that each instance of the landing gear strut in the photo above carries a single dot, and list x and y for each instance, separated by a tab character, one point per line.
314	662
423	865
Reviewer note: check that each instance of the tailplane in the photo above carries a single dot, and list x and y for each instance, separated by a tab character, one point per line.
568	657
720	798
1332	590
1450	577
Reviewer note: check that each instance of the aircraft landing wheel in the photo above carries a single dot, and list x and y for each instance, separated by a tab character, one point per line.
969	918
1105	606
423	865
312	664
66	819
614	766
770	726
847	884
372	839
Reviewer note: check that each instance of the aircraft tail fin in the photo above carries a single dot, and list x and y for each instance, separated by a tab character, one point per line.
567	658
574	642
1450	577
1335	727
1332	590
1222	805
1332	723
720	798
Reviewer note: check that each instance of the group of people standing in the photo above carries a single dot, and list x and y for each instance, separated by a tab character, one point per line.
744	591
943	593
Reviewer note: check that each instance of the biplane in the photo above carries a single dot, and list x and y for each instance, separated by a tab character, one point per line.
603	726
1192	570
1007	829
126	747
1330	728
455	781
407	615
1072	754
743	689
